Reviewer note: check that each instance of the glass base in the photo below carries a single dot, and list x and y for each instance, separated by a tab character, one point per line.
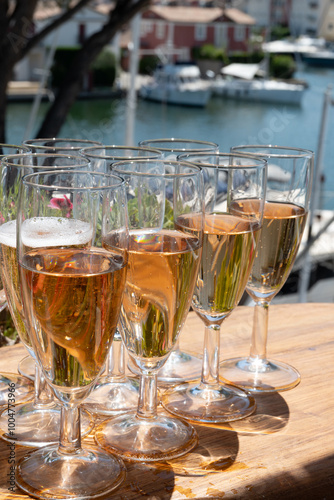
110	397
27	367
259	376
47	474
133	438
23	389
179	367
200	403
38	427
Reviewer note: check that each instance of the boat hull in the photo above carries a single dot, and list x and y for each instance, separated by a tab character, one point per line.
319	60
195	98
260	91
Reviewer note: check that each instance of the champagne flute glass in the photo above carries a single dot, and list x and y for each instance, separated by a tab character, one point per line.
234	190
59	145
52	145
23	387
114	392
72	269
164	198
36	422
285	214
181	366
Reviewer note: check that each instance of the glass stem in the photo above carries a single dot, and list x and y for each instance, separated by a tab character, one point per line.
43	397
258	348
147	403
70	434
176	346
116	359
210	367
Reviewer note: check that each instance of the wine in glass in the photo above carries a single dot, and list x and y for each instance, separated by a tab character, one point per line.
23	387
181	366
115	392
51	145
72	270
165	208
234	191
36	422
284	219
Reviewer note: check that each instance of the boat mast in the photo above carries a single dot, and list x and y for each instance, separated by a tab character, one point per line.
131	97
266	60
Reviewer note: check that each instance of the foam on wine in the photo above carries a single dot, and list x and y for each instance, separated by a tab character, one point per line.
55	232
8	234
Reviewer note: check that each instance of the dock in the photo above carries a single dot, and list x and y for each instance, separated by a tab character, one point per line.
27	91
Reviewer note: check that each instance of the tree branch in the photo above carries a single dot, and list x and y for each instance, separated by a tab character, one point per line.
54	119
52	26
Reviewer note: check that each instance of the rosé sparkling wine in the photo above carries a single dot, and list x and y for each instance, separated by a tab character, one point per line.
228	251
229	246
162	268
281	234
9	264
10	278
75	321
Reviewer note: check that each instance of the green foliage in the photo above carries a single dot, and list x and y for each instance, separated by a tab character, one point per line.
8	201
209	51
62	61
246	57
104	69
148	64
279	32
7	327
282	66
146	209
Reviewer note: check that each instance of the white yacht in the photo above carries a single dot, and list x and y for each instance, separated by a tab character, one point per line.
244	81
177	84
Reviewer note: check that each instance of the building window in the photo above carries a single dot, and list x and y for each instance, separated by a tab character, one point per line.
311	19
221	39
200	32
161	31
145	27
239	33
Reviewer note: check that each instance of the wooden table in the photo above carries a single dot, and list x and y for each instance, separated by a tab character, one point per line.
285	450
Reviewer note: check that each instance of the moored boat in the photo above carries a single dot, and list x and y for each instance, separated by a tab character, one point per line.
177	84
243	81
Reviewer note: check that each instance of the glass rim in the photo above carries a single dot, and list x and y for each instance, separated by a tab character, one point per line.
299	152
169	175
145	142
38	143
260	162
27	180
17	146
87	150
5	160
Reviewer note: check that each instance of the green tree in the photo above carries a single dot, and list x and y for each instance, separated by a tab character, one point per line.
18	37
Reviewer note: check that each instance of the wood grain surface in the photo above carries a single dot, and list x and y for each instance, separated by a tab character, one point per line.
284	451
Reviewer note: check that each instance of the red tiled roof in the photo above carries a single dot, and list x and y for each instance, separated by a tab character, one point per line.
239	17
200	14
169	13
187	14
51	9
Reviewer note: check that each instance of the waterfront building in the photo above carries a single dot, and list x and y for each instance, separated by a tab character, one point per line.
179	29
303	17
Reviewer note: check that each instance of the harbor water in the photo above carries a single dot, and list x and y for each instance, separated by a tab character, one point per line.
227	122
